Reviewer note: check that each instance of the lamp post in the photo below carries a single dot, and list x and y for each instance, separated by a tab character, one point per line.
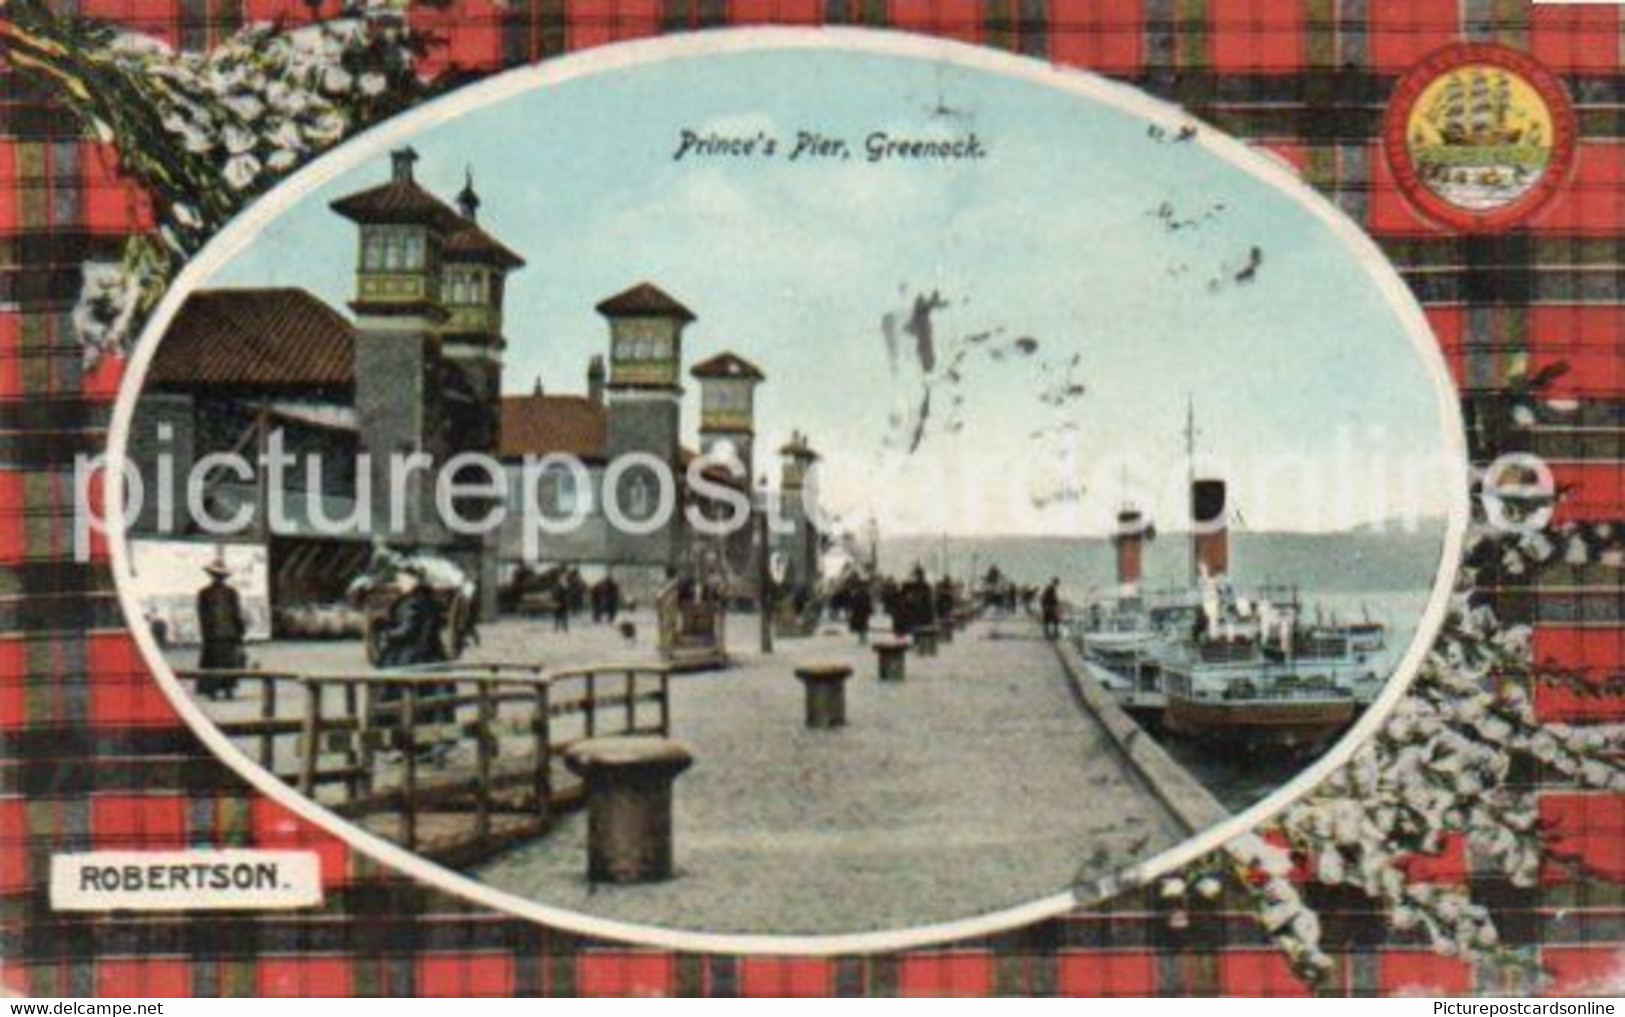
874	547
764	575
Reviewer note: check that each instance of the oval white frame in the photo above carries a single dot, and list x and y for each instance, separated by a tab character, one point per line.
367	146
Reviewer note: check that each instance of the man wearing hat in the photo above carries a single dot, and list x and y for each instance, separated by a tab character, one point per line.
220	621
412	636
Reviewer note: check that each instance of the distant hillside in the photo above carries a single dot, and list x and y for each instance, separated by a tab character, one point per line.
1357	561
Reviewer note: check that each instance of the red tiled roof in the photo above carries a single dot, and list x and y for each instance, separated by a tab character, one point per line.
397	201
469	242
644	299
405	201
263	338
727	365
539	425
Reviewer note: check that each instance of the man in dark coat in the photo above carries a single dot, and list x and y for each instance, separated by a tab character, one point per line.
860	607
561	606
413	632
412	635
891	599
598	599
1049	604
220	623
917	601
576	590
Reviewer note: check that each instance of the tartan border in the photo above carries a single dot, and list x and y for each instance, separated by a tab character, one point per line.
91	754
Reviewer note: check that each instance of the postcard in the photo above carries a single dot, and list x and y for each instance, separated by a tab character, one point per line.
517	499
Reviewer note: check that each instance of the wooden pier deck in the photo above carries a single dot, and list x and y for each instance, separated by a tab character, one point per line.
459	764
978	784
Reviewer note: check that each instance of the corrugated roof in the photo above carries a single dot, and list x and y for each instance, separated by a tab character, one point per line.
644	299
539	425
261	338
727	365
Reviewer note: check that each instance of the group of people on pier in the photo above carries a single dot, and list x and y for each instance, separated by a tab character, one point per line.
413	627
563	593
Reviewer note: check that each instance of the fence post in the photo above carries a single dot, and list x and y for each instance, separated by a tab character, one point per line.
631	701
484	742
543	727
352	754
365	730
409	767
268	714
590	709
312	738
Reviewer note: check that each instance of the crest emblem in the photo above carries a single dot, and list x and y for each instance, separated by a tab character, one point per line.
1479	136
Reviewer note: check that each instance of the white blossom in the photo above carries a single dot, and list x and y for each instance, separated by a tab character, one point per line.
254	105
241	171
336	80
245	106
238	140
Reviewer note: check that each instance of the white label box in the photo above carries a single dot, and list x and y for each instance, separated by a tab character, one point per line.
205	880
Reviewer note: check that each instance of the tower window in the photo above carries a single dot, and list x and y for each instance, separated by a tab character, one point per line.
723	397
463	288
642	343
391	250
412	250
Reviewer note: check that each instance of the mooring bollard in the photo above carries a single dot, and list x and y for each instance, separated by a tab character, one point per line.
892	656
629	779
925	640
826	694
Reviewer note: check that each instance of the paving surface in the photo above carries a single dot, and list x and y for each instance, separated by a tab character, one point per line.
977	785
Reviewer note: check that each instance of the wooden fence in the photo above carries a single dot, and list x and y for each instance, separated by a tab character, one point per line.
456	762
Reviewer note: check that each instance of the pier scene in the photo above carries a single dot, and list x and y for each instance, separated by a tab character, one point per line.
951	793
852	579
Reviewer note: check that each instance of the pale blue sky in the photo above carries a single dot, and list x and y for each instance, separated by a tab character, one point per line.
1055	236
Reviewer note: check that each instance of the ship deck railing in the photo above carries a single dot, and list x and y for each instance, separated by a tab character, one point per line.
1314	694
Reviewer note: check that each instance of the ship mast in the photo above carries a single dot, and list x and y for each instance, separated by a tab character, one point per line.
1190	479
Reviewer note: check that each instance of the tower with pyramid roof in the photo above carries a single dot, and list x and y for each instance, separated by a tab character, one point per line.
428	351
643	406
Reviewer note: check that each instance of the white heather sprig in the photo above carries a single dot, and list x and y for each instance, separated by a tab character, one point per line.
205	132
